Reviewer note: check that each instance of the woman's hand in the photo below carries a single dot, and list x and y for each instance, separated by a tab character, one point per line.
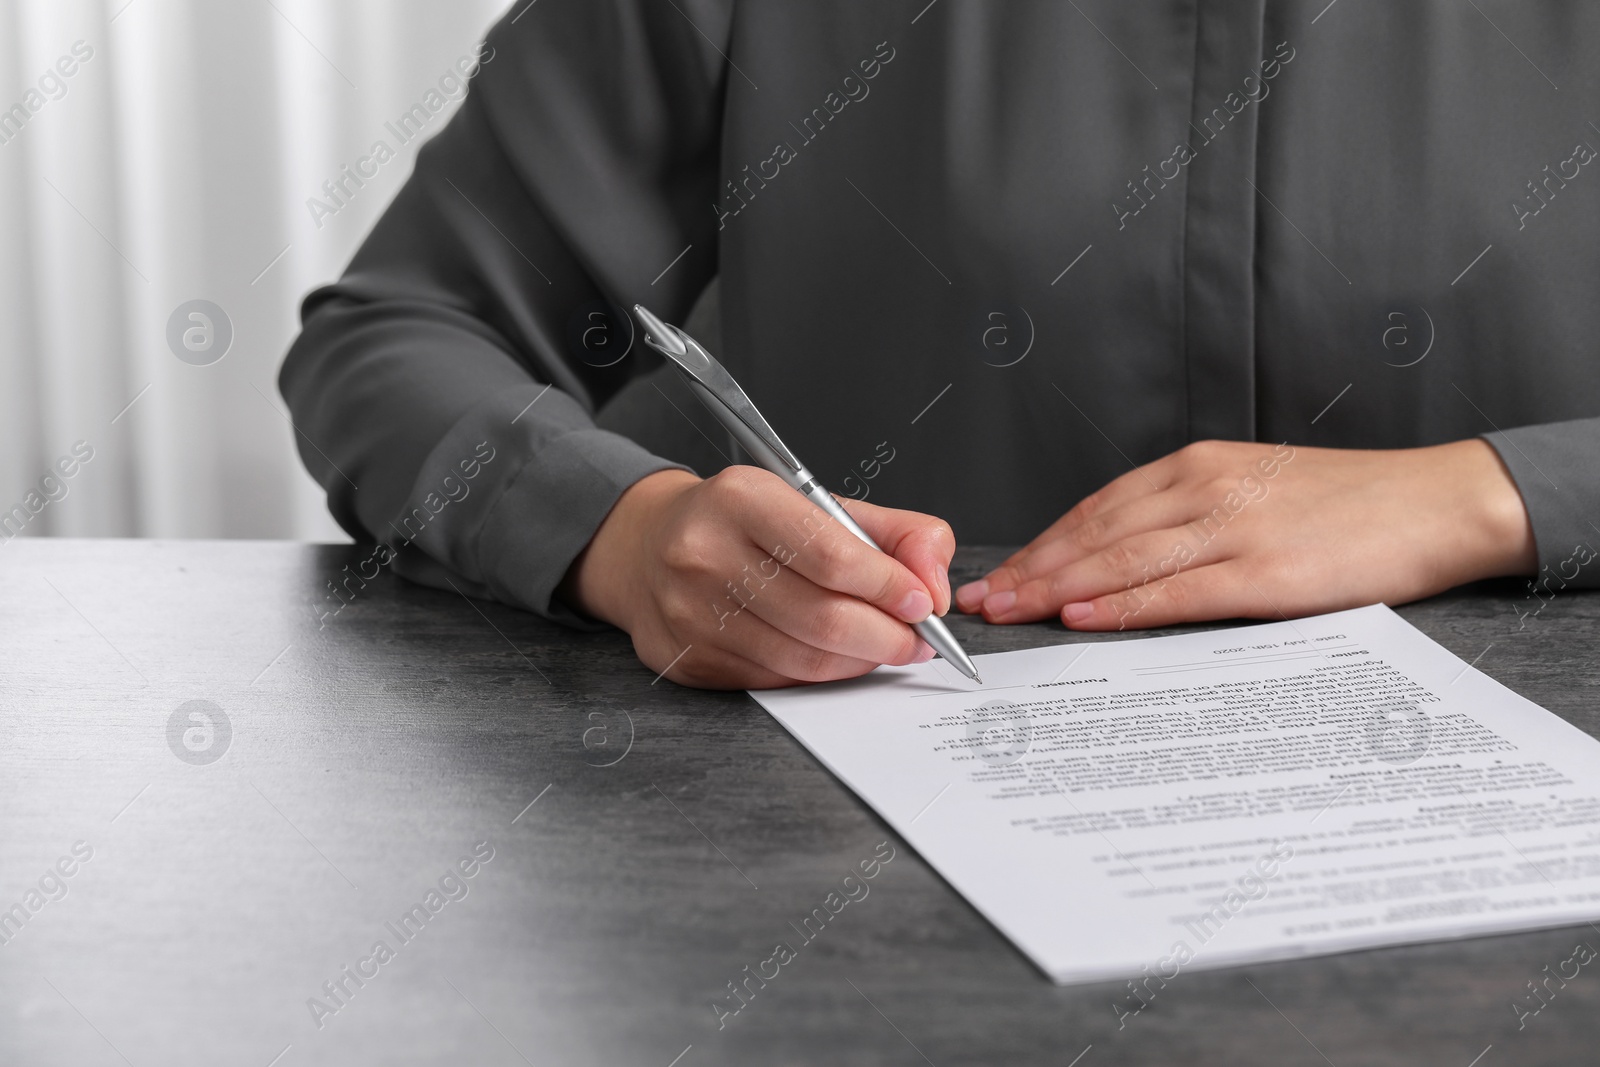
1222	530
737	581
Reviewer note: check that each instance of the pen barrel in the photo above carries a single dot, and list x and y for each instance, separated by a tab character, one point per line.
760	453
824	500
941	640
932	629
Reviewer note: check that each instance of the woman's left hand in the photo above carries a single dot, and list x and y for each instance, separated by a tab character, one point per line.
1224	529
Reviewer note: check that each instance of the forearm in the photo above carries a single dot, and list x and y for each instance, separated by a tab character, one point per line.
1492	525
450	338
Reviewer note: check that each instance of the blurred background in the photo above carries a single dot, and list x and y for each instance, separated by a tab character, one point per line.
162	212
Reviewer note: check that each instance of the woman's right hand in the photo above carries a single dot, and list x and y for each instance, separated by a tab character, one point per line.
738	582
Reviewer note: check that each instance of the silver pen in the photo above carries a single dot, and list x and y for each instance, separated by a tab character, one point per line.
721	395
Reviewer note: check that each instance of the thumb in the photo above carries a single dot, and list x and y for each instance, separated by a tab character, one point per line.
924	544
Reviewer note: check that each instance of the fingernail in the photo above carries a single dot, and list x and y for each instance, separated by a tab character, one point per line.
970	596
1000	603
944	587
925	654
914	606
1077	612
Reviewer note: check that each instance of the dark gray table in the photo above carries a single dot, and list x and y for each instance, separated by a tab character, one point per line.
648	843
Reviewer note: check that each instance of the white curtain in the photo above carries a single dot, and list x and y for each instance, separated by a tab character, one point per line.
158	152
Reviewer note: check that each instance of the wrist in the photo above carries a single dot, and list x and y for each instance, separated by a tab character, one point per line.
603	581
1495	511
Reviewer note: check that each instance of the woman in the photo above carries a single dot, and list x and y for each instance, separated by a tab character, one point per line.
1254	310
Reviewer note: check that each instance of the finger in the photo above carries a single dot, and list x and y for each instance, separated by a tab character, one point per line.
923	543
1131	562
1220	591
752	637
806	540
1147	480
833	622
1168	509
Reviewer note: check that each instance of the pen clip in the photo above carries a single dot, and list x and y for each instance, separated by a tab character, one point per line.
701	367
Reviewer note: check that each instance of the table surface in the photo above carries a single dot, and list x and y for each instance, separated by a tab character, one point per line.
648	842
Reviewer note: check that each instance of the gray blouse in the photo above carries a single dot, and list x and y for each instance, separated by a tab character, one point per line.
975	259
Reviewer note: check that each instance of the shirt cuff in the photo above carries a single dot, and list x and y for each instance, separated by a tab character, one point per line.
536	494
1554	469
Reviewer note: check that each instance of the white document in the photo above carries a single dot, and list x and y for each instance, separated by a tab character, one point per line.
1135	808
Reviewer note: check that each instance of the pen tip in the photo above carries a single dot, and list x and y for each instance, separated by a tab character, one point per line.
976	678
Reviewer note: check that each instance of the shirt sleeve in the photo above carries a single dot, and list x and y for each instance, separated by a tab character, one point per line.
1556	470
444	389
